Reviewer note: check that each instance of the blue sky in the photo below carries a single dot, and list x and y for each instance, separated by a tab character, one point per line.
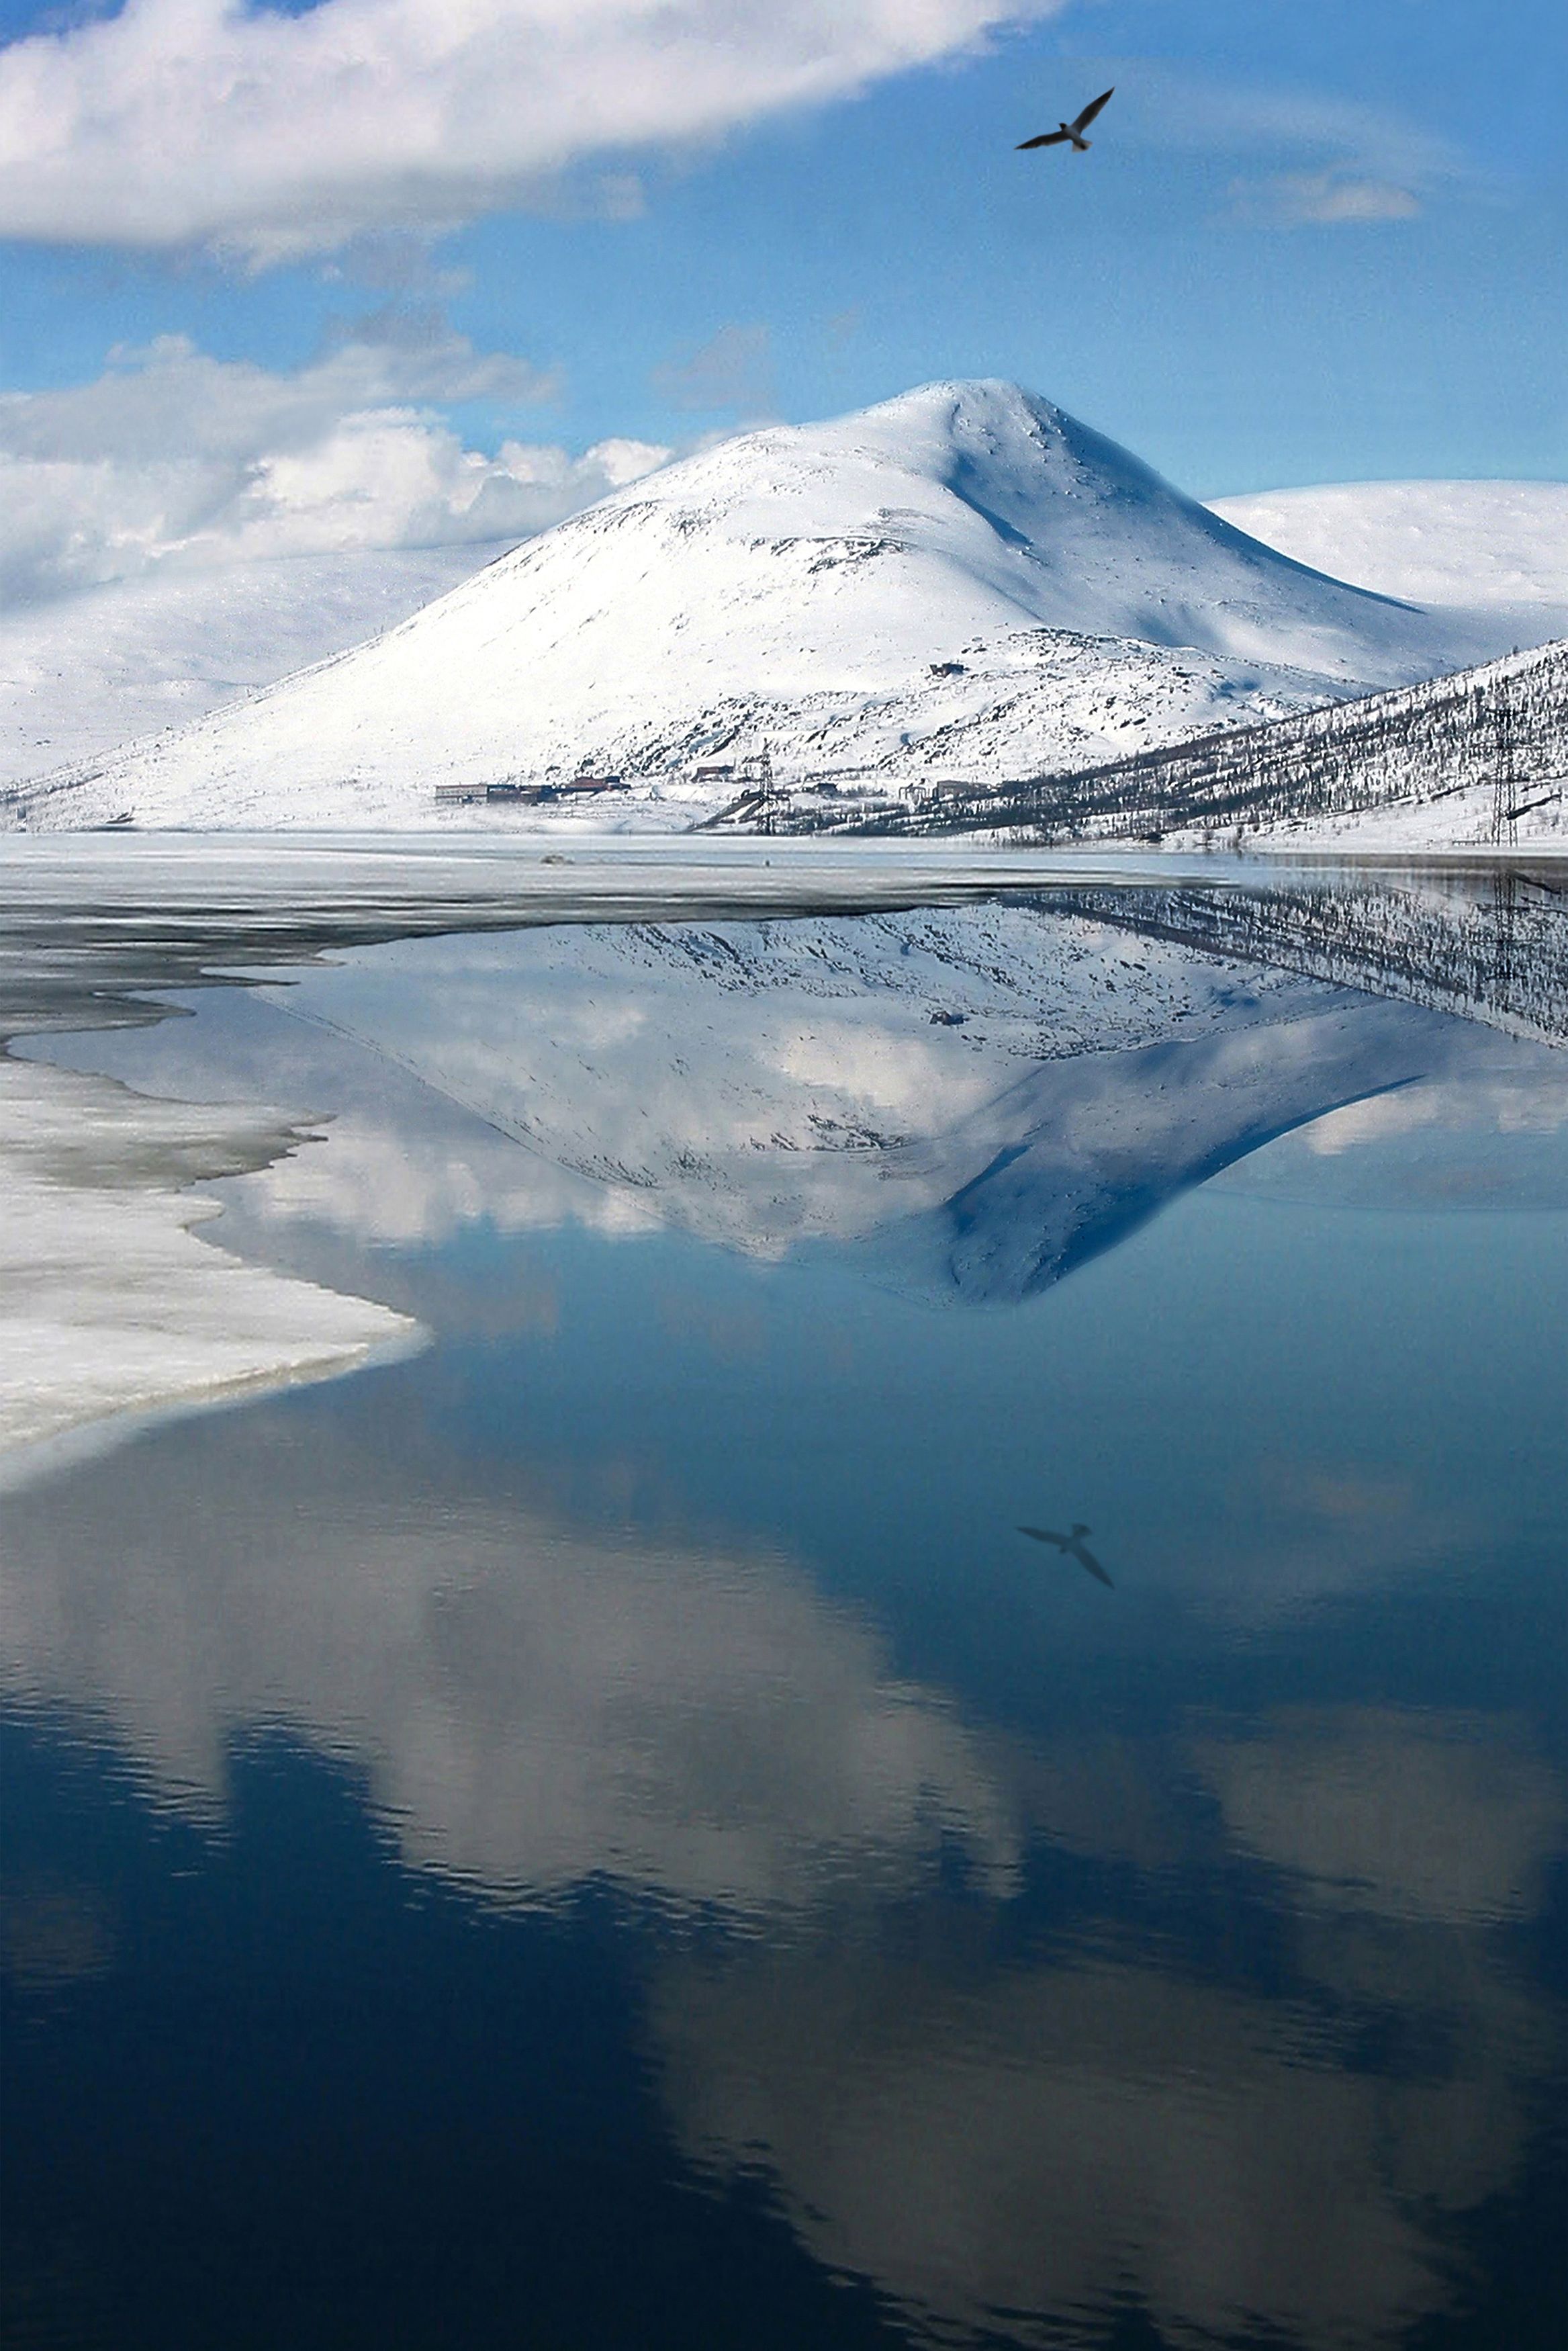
1319	241
1157	286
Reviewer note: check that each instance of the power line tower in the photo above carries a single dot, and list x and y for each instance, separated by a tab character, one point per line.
1504	777
1504	957
759	776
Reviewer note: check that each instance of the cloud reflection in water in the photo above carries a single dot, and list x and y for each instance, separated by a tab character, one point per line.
996	2133
1016	2147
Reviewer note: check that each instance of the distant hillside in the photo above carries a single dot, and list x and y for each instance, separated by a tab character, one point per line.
85	674
962	583
1478	758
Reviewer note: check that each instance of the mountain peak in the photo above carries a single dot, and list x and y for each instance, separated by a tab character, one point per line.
955	400
985	423
1050	489
988	420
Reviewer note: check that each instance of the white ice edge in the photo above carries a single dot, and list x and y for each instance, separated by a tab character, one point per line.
25	1463
115	1313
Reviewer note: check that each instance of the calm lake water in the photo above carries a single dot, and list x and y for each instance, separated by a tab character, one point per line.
610	1829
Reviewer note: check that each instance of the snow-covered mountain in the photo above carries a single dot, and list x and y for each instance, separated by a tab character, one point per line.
963	581
1504	545
84	674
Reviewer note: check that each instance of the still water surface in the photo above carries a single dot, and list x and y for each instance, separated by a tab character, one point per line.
604	1831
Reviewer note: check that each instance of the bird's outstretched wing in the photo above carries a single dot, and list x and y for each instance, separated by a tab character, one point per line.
1046	139
1086	1558
1094	107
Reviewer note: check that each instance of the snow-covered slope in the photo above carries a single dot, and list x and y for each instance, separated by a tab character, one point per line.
1481	758
1477	758
86	673
1504	545
800	585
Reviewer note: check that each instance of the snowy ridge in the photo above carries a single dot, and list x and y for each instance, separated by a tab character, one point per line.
1504	545
961	582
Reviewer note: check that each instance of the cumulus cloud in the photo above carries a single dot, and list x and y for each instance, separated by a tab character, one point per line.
976	2134
172	458
182	122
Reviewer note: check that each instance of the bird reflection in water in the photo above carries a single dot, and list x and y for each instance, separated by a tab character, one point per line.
1073	1546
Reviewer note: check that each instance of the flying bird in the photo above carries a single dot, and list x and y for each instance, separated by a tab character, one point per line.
1072	1546
1073	131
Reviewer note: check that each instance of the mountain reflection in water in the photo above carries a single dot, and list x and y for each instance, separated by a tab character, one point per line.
789	1909
973	1101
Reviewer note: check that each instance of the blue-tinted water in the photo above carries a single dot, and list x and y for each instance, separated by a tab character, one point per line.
604	1831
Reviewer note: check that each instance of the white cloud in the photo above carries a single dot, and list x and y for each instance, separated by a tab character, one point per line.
174	459
1353	163
184	121
1324	200
537	1704
1347	133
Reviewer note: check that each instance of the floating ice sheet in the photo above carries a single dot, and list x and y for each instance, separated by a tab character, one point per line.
111	1308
